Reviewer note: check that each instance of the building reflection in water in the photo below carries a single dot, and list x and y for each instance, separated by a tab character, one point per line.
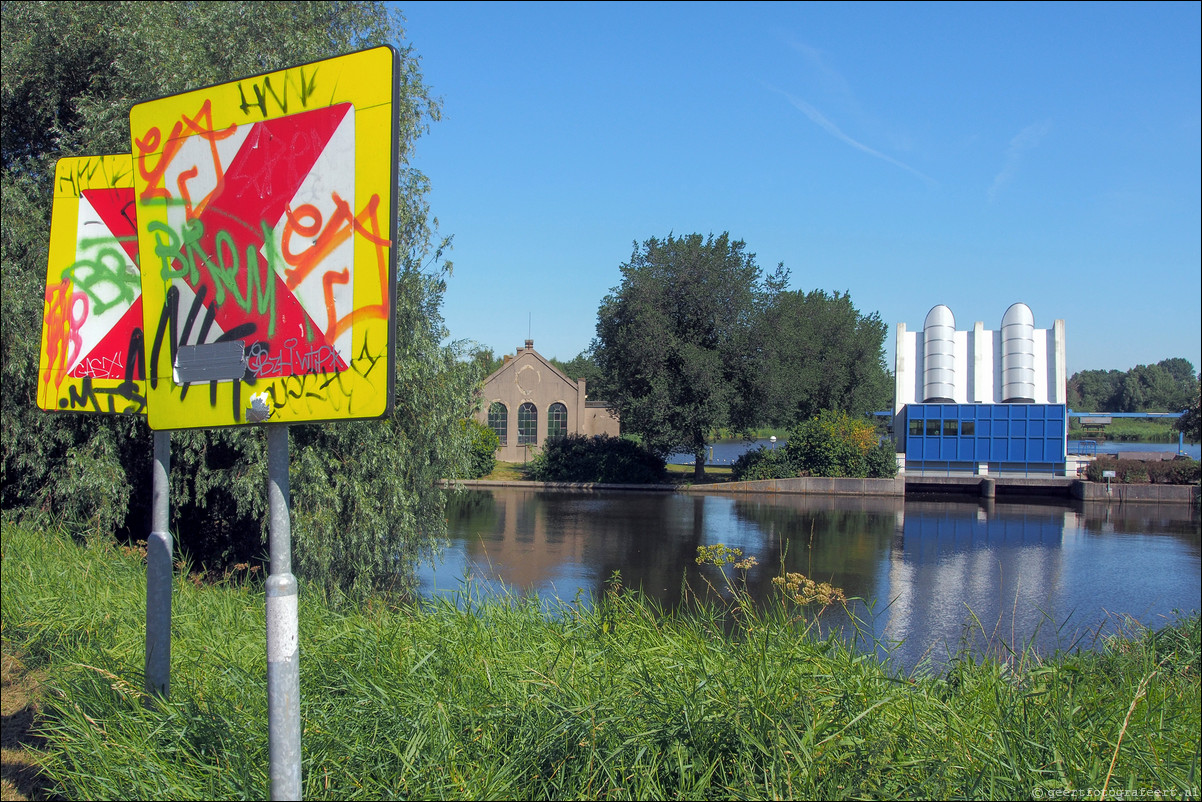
961	572
933	575
995	578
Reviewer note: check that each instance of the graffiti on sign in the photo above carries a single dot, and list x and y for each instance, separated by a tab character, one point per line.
91	358
265	217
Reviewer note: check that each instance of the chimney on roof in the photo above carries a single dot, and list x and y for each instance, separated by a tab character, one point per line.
529	345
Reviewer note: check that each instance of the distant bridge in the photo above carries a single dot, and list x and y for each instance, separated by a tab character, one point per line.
1072	413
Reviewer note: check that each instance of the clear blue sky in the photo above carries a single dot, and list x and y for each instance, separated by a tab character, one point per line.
911	154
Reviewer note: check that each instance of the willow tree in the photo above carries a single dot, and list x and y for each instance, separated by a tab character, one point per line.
365	496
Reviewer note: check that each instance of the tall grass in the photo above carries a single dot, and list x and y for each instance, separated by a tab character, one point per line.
473	699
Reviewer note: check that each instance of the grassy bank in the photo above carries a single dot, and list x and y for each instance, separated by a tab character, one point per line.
683	474
675	474
762	433
1127	430
507	472
492	700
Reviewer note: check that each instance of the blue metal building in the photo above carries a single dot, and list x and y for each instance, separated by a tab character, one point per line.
981	401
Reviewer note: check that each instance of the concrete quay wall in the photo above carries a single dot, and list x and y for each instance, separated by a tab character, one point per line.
811	486
1149	494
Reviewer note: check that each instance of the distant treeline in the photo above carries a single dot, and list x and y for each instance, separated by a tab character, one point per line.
1168	386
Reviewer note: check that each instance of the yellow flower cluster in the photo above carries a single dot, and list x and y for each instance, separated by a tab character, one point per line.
803	590
858	434
721	554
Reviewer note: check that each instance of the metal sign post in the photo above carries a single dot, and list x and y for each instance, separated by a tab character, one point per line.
92	358
283	652
159	575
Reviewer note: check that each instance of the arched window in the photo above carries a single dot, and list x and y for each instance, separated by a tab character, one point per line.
498	420
557	421
527	424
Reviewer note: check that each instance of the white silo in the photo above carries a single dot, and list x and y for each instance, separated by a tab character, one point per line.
1018	355
938	356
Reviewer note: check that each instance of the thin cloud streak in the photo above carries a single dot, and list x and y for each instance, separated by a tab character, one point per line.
825	124
1026	140
833	79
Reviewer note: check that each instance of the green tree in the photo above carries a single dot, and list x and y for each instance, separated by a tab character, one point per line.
672	341
1166	386
1190	424
365	496
584	366
816	351
1155	388
485	360
1094	390
1181	369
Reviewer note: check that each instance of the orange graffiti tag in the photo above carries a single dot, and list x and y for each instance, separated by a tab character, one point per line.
202	125
306	221
327	284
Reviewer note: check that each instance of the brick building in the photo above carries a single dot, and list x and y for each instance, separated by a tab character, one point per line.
528	400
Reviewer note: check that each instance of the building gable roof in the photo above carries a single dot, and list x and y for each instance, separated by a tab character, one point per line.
524	354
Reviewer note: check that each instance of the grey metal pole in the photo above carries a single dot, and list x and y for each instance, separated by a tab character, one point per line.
159	574
283	653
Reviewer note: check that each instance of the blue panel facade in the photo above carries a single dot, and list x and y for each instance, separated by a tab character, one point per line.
1012	433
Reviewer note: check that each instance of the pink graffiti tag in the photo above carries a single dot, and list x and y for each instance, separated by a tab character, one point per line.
66	312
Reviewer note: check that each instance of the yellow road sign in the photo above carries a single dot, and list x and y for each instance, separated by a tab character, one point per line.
92	358
266	220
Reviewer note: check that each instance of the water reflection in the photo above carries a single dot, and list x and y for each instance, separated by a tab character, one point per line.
933	574
827	538
962	570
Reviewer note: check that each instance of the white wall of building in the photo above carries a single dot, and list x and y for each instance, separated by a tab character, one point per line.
978	366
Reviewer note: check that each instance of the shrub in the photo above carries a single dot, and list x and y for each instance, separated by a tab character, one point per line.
94	492
1133	471
1095	469
762	463
882	461
879	462
580	458
832	444
483	449
1180	471
1126	471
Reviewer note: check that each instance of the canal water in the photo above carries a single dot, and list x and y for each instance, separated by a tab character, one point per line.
930	577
